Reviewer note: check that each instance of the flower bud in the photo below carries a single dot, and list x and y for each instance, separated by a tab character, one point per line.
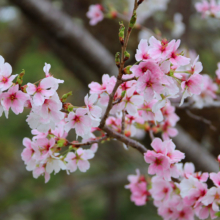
127	70
117	59
20	78
65	96
68	106
132	21
126	55
23	88
62	142
123	93
121	33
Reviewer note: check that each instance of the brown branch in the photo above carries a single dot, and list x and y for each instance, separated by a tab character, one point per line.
120	73
199	118
110	103
126	80
128	141
89	142
117	101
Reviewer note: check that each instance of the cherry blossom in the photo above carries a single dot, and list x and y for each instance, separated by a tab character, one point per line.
80	121
14	99
95	14
41	91
79	159
160	49
5	75
94	111
142	51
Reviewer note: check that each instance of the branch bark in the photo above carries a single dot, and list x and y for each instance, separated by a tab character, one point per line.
128	141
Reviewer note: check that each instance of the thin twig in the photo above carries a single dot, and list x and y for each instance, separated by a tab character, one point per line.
139	26
89	142
117	101
64	110
126	80
120	74
199	118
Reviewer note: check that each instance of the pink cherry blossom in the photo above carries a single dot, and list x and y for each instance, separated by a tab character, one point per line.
215	177
192	86
133	179
108	84
174	155
94	111
54	82
202	7
80	121
159	163
138	187
147	113
5	76
176	58
130	102
161	189
139	193
212	197
149	84
168	111
167	130
28	151
79	159
41	170
95	14
41	91
142	51
214	7
218	71
186	213
196	67
14	99
143	67
160	49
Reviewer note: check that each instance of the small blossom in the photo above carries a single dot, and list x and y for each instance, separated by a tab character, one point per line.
95	14
79	159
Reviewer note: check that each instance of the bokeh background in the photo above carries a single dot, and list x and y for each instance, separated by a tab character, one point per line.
27	43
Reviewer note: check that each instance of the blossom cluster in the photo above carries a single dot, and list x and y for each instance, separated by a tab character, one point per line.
162	73
176	189
207	8
138	188
141	100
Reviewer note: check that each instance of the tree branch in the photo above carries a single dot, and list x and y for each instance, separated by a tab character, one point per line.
199	118
128	141
89	142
